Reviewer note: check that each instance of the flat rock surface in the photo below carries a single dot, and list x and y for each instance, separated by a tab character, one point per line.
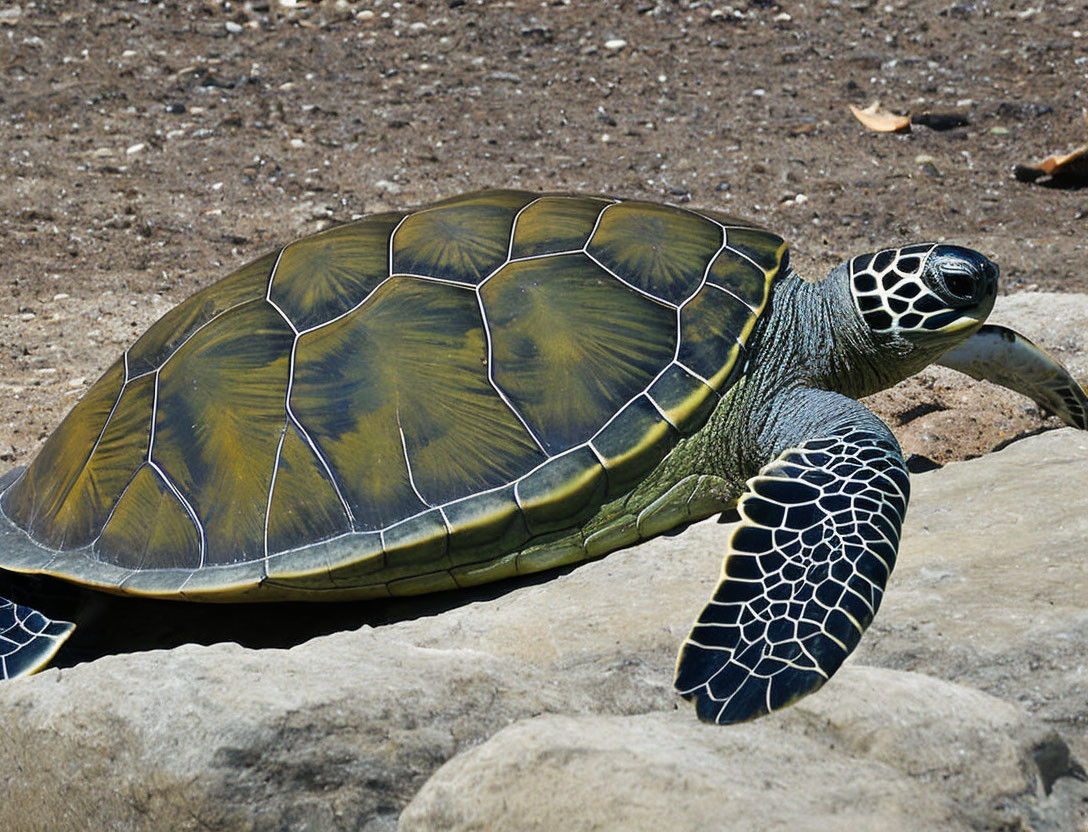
965	707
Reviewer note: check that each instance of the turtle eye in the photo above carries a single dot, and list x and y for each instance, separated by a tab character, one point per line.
960	285
959	276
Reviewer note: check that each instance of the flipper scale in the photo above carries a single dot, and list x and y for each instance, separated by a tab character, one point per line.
800	582
28	640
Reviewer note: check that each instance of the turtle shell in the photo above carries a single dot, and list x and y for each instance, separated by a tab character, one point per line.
397	404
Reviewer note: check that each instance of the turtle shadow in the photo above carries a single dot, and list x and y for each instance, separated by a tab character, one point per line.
109	625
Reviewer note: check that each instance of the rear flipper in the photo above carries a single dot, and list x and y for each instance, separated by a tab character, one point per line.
804	574
28	640
997	354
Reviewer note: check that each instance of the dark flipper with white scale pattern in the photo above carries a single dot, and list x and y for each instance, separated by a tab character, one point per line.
803	578
28	640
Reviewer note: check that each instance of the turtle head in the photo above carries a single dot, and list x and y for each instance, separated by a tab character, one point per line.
925	293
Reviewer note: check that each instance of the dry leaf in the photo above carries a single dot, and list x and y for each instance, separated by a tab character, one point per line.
878	119
1067	169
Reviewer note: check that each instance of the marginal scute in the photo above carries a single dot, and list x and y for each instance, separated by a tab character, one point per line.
741	277
462	239
633	443
326	274
554	224
304	507
685	400
571	344
710	327
762	247
150	528
562	491
354	561
42	490
165	335
220	413
485	525
441	581
416	546
660	249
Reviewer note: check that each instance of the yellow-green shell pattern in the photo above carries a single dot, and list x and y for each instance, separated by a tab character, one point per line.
400	400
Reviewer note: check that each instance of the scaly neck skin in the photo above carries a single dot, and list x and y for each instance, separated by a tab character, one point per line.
811	337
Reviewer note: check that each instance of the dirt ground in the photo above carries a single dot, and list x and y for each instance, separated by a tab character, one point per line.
148	150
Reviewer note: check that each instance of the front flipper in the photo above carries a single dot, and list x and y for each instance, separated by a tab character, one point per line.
28	640
997	354
804	574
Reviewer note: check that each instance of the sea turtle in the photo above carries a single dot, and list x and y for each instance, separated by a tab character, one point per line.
505	382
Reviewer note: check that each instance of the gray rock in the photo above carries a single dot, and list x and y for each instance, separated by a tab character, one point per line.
343	731
992	580
884	750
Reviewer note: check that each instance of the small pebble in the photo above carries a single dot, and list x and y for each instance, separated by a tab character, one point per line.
297	143
999	131
615	44
132	150
232	27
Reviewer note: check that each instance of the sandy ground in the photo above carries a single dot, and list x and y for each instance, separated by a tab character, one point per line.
149	150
